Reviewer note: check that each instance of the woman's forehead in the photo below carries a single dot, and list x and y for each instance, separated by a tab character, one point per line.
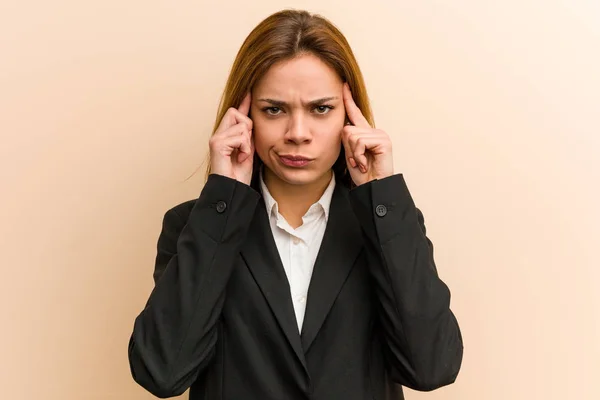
306	75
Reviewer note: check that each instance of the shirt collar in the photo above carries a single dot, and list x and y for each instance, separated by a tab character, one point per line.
324	201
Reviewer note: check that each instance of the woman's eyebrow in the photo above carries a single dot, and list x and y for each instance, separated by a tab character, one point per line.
280	103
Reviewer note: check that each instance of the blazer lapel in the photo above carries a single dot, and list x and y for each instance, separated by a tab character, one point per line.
262	257
340	246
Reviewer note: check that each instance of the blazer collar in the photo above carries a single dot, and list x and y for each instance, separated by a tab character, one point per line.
341	244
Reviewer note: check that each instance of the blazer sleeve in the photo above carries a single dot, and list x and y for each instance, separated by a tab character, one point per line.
174	337
421	334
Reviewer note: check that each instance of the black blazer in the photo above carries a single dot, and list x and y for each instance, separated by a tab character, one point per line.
220	317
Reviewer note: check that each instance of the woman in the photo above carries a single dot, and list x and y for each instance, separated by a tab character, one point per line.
303	270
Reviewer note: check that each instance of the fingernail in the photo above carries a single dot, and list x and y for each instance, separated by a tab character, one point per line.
352	162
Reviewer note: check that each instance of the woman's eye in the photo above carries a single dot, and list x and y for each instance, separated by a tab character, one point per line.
323	109
273	110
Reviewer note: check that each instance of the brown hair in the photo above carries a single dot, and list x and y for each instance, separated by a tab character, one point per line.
285	35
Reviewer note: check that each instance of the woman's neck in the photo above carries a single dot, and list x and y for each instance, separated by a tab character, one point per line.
294	201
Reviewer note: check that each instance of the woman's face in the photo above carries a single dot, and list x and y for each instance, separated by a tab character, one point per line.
298	115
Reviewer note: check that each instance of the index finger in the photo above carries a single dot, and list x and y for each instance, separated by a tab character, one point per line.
244	108
354	113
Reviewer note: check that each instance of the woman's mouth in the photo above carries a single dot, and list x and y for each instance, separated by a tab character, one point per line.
294	160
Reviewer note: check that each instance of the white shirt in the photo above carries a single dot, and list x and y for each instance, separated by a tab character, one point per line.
298	248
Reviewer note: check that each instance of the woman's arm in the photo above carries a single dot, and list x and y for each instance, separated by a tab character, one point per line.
174	336
423	338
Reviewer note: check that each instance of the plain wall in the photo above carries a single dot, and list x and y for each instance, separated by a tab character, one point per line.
494	109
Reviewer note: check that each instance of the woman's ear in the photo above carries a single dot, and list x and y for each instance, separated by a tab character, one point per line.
251	101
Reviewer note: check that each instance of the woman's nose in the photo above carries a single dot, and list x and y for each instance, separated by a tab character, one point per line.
298	130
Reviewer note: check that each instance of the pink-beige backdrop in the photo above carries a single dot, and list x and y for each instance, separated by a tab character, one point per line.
494	109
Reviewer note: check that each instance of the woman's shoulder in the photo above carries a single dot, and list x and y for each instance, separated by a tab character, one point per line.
179	213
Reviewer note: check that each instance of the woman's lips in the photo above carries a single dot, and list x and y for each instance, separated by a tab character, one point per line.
294	161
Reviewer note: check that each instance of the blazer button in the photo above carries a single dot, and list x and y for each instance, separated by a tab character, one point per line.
381	210
221	206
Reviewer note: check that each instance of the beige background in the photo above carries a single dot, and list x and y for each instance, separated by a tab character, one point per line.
494	107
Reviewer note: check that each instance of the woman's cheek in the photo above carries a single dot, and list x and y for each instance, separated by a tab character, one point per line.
333	147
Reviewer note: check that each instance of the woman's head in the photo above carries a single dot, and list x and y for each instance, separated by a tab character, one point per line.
295	64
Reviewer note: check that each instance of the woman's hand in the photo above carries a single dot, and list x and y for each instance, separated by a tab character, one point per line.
368	150
232	145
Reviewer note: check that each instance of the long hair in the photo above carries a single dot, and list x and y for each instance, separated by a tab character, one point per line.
283	36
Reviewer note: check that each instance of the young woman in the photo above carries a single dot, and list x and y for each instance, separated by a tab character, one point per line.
303	270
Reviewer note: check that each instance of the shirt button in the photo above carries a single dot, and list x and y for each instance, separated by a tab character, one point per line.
296	240
302	299
381	210
221	206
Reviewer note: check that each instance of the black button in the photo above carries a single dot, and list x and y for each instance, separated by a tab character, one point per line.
221	206
381	210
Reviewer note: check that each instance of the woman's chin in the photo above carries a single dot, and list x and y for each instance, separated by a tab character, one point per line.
298	176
